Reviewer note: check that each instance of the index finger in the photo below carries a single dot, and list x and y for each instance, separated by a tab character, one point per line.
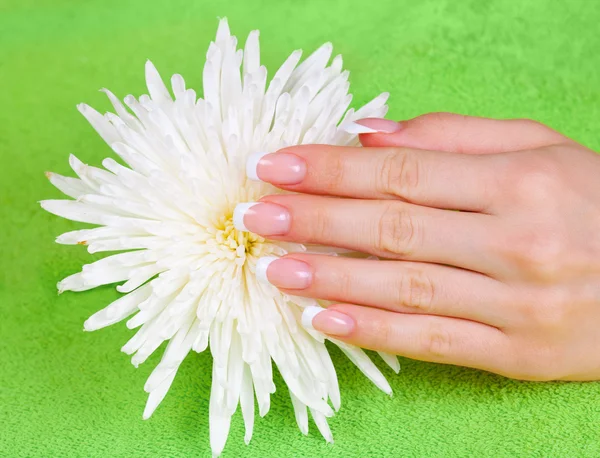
460	134
430	178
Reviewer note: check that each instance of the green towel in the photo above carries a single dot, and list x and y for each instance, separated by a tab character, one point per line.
64	392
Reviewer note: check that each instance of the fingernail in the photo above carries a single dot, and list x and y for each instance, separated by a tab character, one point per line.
308	314
379	125
284	272
329	322
276	168
263	218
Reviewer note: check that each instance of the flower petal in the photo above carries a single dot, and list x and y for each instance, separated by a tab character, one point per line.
366	366
118	310
322	425
247	403
390	360
301	414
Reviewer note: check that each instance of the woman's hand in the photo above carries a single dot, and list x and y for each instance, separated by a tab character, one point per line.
509	284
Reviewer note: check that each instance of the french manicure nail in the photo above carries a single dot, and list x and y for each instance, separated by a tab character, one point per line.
379	125
238	215
261	267
329	322
276	168
263	218
308	314
284	272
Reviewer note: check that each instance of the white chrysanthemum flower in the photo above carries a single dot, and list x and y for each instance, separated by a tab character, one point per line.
189	275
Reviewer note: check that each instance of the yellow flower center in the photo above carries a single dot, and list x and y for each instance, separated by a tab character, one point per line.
231	243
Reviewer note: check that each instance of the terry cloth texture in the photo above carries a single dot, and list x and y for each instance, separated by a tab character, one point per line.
67	393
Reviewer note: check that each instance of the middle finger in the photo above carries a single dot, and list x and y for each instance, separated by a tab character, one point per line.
390	229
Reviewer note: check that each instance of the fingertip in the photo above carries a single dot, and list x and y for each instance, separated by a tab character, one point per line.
329	321
252	165
280	168
377	125
379	140
378	131
309	314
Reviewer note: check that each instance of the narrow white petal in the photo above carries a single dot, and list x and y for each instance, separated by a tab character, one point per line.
322	425
156	396
223	31
117	310
317	60
235	373
140	276
176	351
130	120
178	85
283	74
366	366
219	420
301	414
247	403
156	87
75	211
333	386
390	360
252	52
72	187
104	128
73	282
85	236
370	109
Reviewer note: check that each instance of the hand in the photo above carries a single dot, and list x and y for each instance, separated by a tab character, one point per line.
509	284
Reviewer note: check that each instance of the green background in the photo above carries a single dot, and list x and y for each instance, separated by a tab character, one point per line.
64	392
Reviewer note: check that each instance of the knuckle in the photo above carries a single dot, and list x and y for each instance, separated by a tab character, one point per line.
319	227
540	253
539	363
398	231
333	170
532	124
399	174
550	312
534	177
444	125
541	129
441	118
436	342
344	282
382	333
416	290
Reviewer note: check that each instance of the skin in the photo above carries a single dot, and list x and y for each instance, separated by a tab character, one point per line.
509	284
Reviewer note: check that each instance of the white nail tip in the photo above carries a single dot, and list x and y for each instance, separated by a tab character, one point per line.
353	128
252	164
308	314
261	268
238	215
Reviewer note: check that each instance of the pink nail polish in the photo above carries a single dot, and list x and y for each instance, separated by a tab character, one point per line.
263	218
380	125
284	272
333	323
276	168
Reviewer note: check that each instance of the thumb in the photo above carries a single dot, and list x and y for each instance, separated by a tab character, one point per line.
458	133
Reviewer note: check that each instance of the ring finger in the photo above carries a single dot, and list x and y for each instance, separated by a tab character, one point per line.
405	287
